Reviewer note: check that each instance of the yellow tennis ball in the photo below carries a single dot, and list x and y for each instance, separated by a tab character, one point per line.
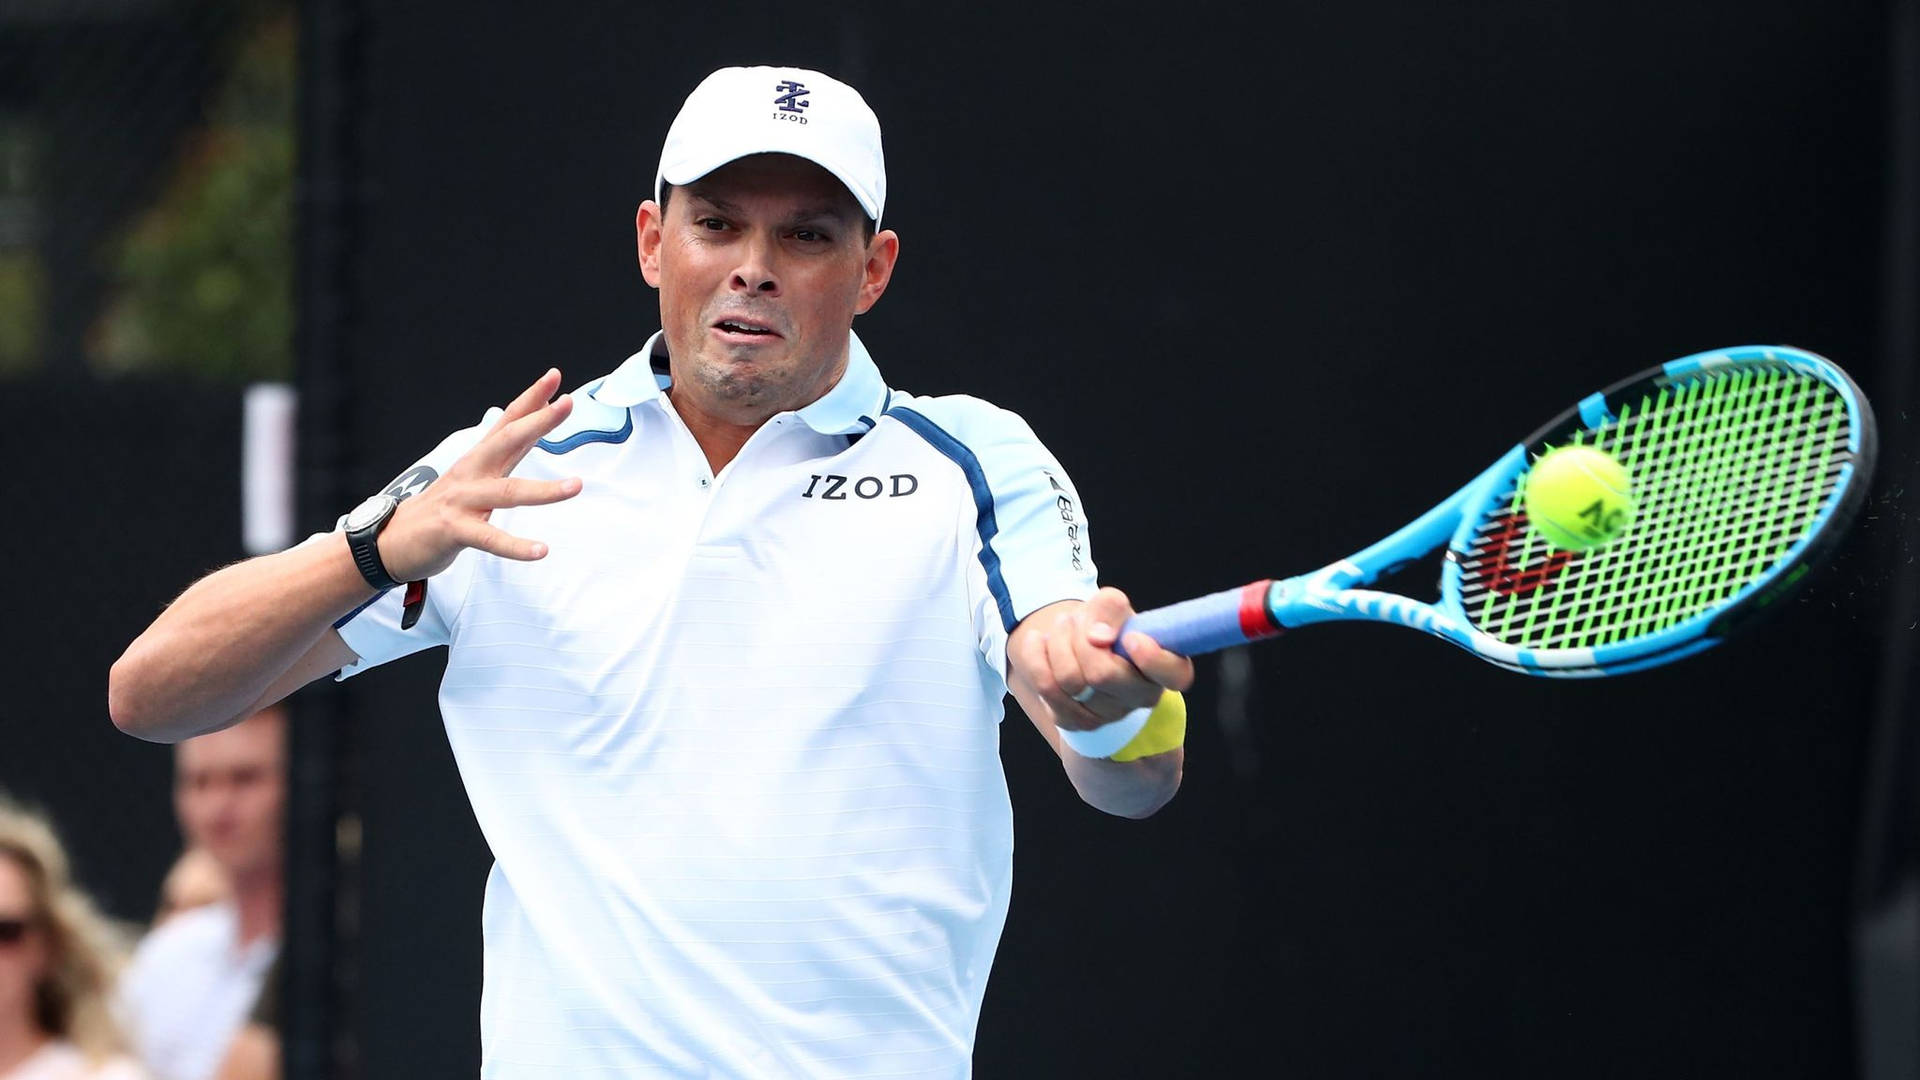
1579	497
1166	728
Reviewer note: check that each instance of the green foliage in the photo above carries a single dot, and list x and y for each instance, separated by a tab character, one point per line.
205	279
22	293
23	288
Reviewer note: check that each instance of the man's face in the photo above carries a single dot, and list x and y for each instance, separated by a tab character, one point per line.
230	793
761	265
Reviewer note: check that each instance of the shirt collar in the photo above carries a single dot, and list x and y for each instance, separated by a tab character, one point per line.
849	408
636	380
855	402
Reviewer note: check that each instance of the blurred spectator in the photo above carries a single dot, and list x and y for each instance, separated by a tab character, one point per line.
195	979
57	962
196	879
254	1054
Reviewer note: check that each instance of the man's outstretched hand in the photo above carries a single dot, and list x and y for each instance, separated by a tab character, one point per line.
453	512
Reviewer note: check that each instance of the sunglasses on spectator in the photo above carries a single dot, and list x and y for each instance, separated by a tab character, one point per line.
13	930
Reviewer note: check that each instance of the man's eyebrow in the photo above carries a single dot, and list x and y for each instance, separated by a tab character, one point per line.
811	215
714	201
836	214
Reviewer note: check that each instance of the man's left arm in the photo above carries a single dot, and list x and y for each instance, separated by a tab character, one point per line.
1064	673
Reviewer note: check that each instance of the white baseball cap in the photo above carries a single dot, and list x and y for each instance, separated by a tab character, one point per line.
739	111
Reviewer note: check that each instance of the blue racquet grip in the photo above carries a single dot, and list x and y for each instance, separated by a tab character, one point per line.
1208	623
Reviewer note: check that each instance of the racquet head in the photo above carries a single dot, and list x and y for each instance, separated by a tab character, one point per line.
1747	465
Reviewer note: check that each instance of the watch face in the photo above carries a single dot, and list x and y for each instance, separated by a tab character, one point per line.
368	512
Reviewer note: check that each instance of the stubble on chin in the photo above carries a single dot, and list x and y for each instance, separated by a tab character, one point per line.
735	385
755	382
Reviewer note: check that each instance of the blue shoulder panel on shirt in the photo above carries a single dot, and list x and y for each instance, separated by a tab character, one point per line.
581	438
592	421
957	452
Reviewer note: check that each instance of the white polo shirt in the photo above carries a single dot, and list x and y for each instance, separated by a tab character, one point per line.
735	741
189	988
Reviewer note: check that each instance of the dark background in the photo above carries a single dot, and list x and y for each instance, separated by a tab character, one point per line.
1269	281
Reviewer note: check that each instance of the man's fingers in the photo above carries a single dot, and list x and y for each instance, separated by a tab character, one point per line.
531	398
1104	615
520	491
506	445
1109	607
1069	680
429	530
484	537
1169	669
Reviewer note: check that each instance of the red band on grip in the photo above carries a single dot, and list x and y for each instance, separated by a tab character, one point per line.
1255	622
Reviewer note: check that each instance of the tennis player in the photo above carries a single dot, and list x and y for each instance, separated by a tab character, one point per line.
729	633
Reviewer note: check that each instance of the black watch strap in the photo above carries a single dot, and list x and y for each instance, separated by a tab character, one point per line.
366	556
363	541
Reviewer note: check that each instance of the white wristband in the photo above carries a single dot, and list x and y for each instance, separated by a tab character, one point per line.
1107	739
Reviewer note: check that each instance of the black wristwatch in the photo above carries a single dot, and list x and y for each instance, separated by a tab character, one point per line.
363	525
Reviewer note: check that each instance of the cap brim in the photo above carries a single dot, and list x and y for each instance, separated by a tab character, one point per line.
687	170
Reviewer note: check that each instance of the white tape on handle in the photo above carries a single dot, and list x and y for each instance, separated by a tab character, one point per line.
1107	739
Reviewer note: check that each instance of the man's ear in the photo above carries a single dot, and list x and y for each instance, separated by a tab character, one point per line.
882	252
647	225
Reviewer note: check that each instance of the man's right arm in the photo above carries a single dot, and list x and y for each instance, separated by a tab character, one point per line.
248	635
238	640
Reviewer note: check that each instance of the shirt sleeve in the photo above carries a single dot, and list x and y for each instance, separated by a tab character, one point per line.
373	630
1030	530
1039	528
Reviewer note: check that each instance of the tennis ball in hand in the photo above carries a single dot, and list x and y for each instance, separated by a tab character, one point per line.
1166	729
1579	497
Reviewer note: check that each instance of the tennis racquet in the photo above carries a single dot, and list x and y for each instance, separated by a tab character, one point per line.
1747	465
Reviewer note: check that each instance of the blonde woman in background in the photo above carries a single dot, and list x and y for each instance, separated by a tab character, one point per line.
58	958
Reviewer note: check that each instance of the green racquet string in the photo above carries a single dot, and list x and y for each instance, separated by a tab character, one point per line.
1729	469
